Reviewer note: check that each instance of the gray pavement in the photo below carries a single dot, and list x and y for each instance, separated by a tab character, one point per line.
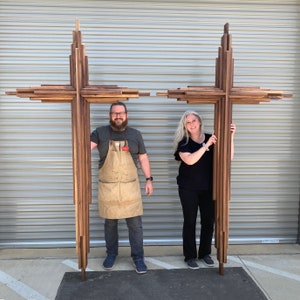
37	273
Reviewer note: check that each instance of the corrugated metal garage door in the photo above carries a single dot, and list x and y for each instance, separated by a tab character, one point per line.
152	46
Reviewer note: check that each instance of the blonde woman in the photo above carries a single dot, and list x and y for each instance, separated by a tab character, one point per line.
194	150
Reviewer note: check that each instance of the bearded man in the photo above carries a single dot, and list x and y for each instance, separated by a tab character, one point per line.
121	149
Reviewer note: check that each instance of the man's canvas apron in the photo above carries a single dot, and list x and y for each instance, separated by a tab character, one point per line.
119	194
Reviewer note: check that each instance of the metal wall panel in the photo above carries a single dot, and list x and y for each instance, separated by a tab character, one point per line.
152	46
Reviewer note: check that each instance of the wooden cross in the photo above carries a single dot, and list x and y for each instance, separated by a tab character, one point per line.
80	94
223	95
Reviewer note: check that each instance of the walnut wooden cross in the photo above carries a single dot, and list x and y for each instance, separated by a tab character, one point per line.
80	94
223	96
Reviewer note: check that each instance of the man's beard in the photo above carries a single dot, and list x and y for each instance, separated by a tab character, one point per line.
118	127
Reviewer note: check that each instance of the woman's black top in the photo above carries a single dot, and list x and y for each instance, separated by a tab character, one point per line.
198	176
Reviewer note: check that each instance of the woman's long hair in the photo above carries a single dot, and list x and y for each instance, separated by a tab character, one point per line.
181	130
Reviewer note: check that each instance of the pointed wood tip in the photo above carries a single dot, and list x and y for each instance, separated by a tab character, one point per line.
77	24
226	28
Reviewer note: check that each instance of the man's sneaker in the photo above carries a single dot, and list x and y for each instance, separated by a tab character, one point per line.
207	260
109	261
191	263
140	266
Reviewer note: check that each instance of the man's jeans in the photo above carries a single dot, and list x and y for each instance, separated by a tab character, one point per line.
135	230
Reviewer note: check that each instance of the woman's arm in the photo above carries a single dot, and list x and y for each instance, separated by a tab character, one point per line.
192	158
232	130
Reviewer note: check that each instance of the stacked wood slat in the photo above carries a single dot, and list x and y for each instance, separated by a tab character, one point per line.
80	94
223	95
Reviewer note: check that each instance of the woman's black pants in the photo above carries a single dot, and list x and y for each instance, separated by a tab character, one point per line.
190	202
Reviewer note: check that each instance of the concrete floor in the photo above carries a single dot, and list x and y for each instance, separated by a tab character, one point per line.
36	273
